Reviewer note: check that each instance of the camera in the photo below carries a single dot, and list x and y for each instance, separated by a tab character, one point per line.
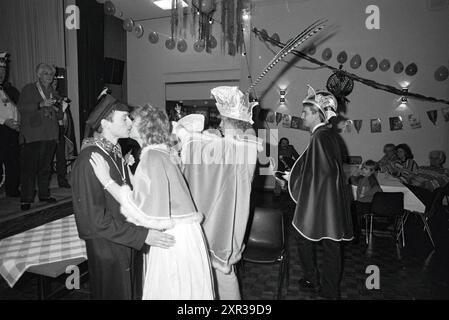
60	100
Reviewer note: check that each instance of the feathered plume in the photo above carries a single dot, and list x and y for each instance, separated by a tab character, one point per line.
292	44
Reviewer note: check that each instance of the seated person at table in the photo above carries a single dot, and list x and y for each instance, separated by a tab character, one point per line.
405	163
427	179
367	186
388	158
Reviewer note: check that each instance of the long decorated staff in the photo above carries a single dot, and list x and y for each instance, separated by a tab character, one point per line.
289	46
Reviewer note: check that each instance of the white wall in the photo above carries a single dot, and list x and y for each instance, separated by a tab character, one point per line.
408	32
150	66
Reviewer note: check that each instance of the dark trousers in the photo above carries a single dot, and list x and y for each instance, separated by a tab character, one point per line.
358	210
36	161
9	159
112	271
61	163
330	275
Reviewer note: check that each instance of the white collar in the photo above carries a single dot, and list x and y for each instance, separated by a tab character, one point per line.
317	126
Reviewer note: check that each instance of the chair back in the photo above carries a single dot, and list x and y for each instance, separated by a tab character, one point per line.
437	202
267	229
388	204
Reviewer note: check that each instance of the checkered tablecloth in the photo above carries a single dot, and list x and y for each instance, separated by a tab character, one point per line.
51	242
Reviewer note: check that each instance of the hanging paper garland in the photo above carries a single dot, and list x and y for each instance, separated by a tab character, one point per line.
356	61
432	114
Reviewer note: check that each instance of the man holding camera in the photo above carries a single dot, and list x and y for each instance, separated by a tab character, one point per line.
39	133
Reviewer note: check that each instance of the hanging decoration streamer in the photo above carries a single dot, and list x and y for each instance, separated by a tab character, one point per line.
355	77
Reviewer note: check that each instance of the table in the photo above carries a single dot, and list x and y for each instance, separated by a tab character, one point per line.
52	242
389	183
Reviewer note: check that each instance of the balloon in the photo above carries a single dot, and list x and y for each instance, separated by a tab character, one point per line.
411	69
264	34
231	49
384	65
327	54
342	57
356	61
398	67
276	37
441	73
371	64
153	37
212	42
311	50
432	114
128	24
138	31
182	45
199	45
170	43
109	8
207	6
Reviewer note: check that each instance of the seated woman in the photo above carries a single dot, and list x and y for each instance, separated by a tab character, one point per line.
161	200
404	164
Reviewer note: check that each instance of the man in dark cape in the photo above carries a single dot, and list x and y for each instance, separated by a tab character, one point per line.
318	185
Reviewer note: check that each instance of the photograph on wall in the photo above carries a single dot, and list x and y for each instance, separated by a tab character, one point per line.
414	121
376	125
396	123
445	112
271	117
286	120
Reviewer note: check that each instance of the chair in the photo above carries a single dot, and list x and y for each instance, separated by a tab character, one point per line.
266	242
389	205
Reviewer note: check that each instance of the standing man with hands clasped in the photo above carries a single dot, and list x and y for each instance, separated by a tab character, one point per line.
113	244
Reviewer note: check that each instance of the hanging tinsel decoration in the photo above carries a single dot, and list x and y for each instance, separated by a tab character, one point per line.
340	85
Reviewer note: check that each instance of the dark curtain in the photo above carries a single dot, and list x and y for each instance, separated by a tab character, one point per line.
90	56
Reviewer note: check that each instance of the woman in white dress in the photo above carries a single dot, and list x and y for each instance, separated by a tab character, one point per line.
161	200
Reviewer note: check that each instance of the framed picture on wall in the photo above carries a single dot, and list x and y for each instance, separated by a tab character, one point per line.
376	125
396	123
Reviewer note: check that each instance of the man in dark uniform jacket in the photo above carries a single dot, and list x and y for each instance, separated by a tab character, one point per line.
113	244
9	131
317	185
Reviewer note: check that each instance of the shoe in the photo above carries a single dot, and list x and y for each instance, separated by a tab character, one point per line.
64	184
306	284
48	200
25	206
